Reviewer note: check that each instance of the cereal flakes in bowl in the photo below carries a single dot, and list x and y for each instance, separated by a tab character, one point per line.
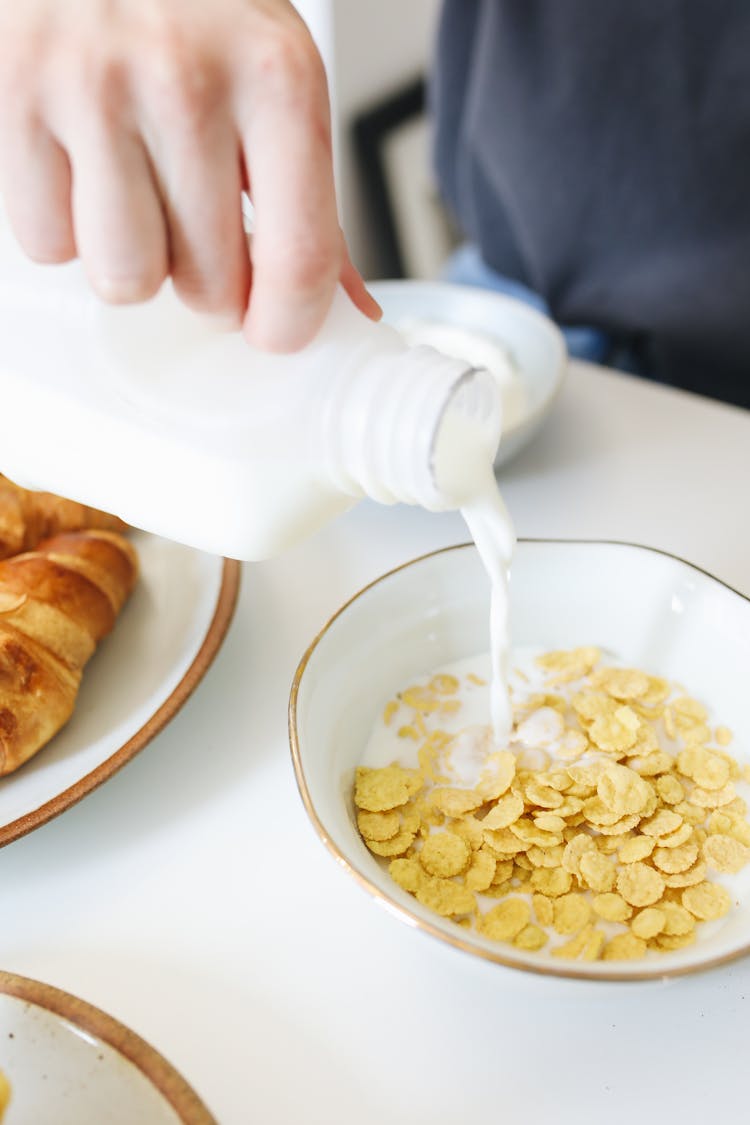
609	838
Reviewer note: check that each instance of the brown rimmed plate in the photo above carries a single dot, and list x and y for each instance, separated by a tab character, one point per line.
69	1063
165	640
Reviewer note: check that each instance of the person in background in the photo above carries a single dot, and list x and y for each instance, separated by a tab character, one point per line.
597	157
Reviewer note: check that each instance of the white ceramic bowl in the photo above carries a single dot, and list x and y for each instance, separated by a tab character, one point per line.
644	607
70	1063
534	344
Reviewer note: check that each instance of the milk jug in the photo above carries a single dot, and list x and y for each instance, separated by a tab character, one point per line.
173	423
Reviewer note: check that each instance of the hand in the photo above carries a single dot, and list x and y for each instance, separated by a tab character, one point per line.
129	129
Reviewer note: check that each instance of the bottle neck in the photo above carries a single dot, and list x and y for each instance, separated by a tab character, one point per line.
411	425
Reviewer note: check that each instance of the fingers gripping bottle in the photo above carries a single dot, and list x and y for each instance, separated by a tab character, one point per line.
156	414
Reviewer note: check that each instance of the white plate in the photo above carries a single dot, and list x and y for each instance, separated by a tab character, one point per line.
534	344
644	607
140	675
69	1063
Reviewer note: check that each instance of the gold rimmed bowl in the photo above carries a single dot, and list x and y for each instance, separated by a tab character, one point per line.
643	607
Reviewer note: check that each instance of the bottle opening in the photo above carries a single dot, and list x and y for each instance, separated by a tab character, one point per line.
466	439
414	426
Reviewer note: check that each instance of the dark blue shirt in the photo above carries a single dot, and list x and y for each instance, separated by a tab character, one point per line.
600	153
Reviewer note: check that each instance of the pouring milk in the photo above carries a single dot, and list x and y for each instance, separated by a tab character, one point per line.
154	413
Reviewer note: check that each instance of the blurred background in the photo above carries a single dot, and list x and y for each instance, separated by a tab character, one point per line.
389	208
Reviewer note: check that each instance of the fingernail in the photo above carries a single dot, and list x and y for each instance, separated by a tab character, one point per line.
373	310
224	322
124	290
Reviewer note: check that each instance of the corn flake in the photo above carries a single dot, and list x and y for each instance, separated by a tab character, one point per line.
506	921
502	843
706	901
379	825
570	950
543	908
455	802
565	667
711	771
497	778
551	882
677	838
689	878
622	790
481	871
384	789
597	871
674	860
670	789
545	857
574	850
590	818
444	854
407	873
713	798
397	844
445	897
615	732
648	923
677	920
665	943
506	811
622	683
611	907
624	947
651	765
531	937
724	853
640	885
661	823
571	912
635	848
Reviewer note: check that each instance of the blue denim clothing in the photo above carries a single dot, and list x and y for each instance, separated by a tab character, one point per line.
466	267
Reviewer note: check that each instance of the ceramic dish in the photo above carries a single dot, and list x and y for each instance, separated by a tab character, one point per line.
69	1063
641	606
533	344
164	641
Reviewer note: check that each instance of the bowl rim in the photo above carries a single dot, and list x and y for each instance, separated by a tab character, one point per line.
93	1021
539	320
403	913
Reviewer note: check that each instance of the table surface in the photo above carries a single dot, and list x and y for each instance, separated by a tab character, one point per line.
190	898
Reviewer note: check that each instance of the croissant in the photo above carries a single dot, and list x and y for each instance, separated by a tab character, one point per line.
56	603
27	517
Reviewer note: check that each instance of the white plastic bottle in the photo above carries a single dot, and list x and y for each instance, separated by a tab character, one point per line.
156	414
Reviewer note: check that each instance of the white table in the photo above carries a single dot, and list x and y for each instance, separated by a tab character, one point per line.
190	898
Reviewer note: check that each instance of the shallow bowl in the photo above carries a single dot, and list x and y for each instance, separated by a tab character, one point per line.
643	607
533	344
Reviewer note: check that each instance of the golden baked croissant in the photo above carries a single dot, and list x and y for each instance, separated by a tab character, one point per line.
27	517
56	603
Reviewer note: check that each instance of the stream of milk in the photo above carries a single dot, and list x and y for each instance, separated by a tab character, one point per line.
464	469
